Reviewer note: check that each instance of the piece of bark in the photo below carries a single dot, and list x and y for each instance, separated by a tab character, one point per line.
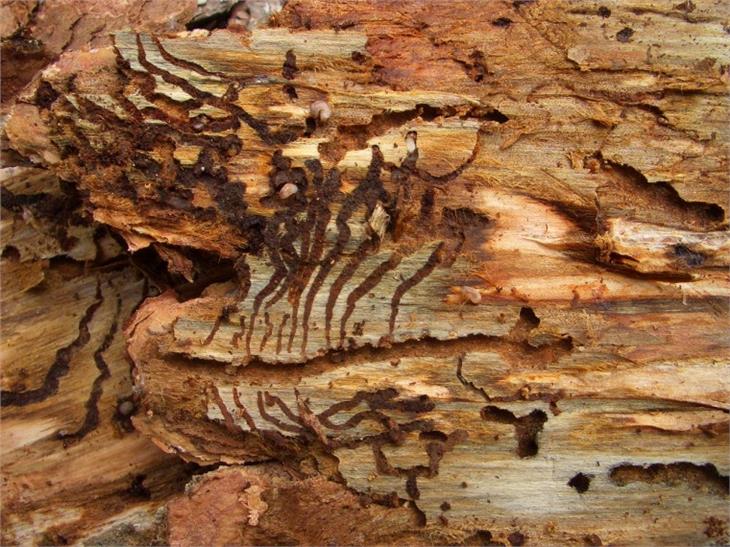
539	334
14	15
266	504
177	263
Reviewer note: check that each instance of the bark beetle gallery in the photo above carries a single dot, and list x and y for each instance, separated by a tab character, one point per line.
372	272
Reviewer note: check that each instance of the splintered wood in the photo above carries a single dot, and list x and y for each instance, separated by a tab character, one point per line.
478	284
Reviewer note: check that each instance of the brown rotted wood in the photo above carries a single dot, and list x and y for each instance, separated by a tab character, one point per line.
477	262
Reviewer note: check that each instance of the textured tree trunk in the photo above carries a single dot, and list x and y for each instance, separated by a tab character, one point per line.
387	273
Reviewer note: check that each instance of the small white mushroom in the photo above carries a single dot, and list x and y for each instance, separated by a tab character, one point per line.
289	189
320	111
411	142
199	122
126	408
240	17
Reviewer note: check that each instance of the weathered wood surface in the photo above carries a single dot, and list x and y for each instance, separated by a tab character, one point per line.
73	467
72	464
485	293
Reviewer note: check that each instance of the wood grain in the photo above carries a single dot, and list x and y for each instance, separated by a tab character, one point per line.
485	294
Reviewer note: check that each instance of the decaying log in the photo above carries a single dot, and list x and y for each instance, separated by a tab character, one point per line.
459	268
